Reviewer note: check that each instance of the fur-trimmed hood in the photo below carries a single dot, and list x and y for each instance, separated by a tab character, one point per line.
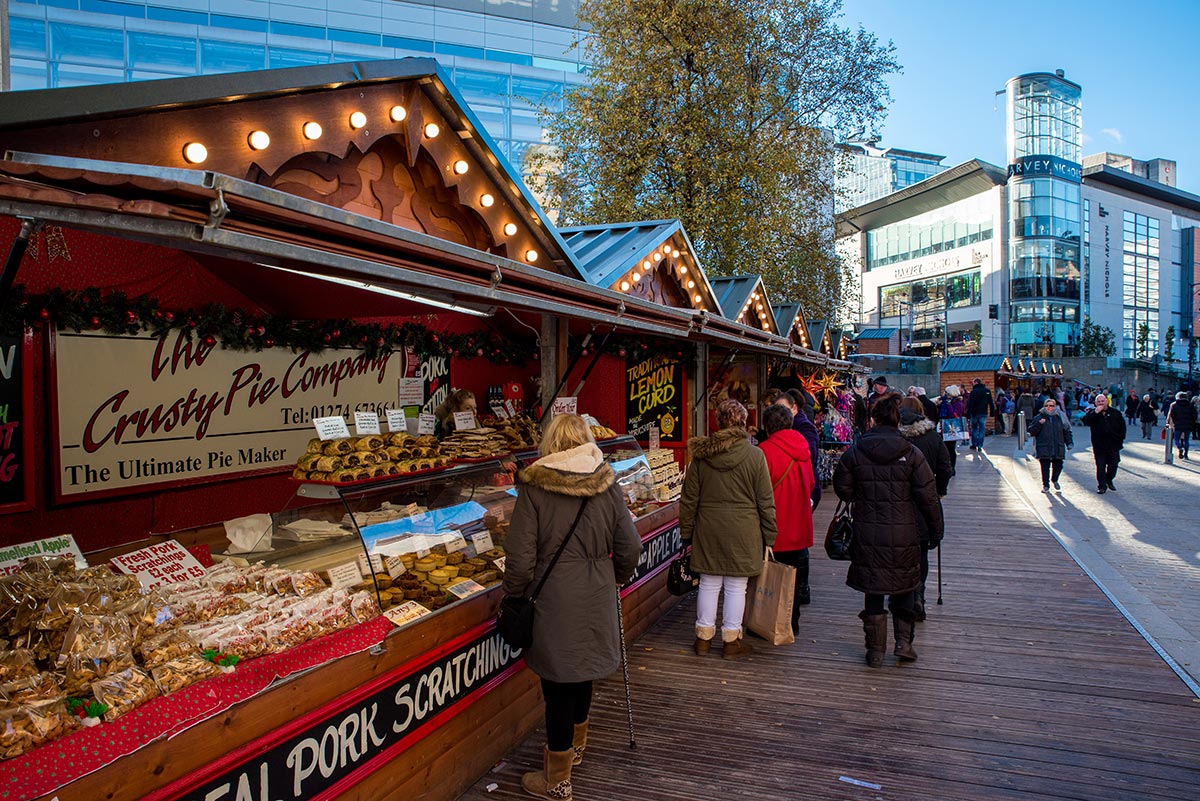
721	450
913	426
580	472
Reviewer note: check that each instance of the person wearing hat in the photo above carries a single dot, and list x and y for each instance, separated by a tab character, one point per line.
1182	416
879	388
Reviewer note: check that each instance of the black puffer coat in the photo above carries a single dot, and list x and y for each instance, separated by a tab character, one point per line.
924	435
890	484
1051	434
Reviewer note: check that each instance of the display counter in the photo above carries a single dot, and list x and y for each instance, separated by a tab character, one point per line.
437	697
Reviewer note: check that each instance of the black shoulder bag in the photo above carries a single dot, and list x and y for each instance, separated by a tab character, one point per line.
515	619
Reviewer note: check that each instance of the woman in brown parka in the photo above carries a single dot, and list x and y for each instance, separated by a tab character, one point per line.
727	515
575	636
889	483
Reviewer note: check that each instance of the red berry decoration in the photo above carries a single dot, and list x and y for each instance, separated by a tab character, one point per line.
621	353
479	351
131	317
364	338
268	342
210	340
191	323
644	346
260	330
434	338
95	323
326	339
335	333
169	317
156	315
44	314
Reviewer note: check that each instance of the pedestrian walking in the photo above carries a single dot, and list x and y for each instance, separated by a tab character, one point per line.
794	401
792	476
1148	416
922	432
950	410
727	514
930	408
890	485
1182	416
1132	402
1052	437
576	639
980	407
1108	437
1009	412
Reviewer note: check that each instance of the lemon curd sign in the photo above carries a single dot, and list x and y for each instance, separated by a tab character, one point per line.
134	411
654	397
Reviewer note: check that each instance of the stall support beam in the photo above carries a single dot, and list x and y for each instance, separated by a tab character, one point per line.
700	410
553	358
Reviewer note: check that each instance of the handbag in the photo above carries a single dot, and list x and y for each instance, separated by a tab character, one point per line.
680	578
840	533
514	620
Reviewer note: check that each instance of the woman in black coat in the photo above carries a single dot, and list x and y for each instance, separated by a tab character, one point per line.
922	432
1148	415
1052	437
890	485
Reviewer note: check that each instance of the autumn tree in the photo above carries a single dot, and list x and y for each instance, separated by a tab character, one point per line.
724	114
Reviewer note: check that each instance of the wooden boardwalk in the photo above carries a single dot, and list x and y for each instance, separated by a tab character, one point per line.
1030	685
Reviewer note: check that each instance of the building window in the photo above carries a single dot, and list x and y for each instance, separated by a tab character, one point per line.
1140	257
966	222
931	296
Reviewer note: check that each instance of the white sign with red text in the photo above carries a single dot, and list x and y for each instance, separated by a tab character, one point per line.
165	563
136	411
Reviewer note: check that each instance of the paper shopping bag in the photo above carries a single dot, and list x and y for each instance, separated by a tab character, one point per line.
769	607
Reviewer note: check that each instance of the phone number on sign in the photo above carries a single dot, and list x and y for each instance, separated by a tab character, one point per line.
303	416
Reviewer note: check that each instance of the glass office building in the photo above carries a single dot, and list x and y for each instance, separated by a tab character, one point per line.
869	172
1045	214
505	56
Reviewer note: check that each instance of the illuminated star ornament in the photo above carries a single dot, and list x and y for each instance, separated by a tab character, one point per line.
827	384
811	383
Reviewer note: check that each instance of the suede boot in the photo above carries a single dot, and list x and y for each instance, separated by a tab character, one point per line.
737	646
704	635
904	631
579	743
553	781
875	629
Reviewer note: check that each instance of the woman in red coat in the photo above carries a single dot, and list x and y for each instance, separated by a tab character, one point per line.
792	479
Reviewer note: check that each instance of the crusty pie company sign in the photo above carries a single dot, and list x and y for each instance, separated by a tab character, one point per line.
136	410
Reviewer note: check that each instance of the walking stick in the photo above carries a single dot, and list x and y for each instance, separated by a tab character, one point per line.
939	575
625	668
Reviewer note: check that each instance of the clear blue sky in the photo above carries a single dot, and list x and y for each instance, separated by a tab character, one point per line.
1138	62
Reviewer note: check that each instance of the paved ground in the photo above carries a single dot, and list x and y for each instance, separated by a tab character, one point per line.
1141	544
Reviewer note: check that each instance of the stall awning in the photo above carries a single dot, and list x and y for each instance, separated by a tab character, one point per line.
877	333
789	321
974	363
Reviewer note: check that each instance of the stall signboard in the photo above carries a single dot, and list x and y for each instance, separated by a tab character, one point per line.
434	373
165	563
654	397
16	447
139	411
62	545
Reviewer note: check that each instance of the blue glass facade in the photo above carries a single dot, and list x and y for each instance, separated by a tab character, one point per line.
1045	214
506	59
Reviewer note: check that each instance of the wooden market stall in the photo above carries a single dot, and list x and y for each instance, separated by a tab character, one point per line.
998	371
202	267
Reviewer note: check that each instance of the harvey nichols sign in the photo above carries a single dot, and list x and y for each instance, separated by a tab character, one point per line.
1035	166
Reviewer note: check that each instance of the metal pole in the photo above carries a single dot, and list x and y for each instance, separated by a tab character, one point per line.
625	668
939	550
1021	431
1168	453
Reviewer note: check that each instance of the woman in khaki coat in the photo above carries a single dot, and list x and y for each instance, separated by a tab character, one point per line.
727	514
575	636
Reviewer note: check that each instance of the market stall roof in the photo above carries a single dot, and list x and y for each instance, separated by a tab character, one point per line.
974	363
744	298
644	259
876	333
819	331
393	140
789	320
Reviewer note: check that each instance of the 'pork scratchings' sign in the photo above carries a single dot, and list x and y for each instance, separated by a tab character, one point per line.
326	752
654	397
136	410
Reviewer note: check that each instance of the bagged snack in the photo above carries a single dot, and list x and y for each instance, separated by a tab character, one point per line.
66	601
364	606
124	691
23	727
178	673
166	646
94	647
39	687
17	663
305	584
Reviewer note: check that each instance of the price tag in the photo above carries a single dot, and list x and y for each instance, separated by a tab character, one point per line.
395	568
420	545
499	410
483	542
456	542
411	391
654	438
375	565
425	424
465	588
331	427
346	575
511	406
366	423
464	421
564	406
406	612
396	422
499	562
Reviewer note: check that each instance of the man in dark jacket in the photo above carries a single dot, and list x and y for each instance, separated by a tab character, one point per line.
980	407
1108	437
1183	417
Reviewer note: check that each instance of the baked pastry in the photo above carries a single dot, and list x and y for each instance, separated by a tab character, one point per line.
456	558
315	445
337	447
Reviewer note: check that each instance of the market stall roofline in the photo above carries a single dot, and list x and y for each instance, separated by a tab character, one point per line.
49	107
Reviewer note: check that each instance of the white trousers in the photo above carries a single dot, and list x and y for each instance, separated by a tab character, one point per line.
735	606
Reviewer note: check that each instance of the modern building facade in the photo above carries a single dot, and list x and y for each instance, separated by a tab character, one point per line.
869	172
1048	241
506	58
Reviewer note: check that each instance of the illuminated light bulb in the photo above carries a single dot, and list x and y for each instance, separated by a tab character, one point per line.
696	298
259	140
312	130
759	307
531	255
624	286
486	200
636	277
657	256
691	285
510	228
666	248
194	152
675	254
683	270
358	120
398	113
645	265
432	130
461	167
